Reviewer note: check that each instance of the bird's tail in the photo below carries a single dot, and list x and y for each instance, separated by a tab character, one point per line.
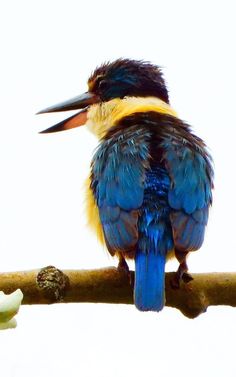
149	287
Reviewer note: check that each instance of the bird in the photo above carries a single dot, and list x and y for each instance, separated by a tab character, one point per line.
151	178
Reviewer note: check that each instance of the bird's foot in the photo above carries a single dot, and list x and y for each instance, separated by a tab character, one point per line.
186	277
124	268
181	274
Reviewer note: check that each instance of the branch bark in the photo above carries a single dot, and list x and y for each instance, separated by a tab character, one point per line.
109	285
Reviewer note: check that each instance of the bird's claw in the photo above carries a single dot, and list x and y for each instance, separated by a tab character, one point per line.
124	268
175	281
181	274
187	277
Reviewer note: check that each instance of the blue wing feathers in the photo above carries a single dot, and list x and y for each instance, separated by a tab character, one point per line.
190	193
191	186
109	214
201	215
118	169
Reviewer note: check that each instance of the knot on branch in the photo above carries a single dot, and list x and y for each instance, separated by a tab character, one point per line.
194	305
53	283
191	298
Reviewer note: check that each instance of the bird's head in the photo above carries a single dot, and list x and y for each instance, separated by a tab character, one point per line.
120	79
126	77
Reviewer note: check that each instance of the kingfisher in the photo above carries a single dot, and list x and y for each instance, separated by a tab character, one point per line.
150	185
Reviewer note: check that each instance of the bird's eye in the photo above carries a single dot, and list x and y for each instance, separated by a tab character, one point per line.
103	84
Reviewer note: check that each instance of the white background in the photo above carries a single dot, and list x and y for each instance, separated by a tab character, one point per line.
48	49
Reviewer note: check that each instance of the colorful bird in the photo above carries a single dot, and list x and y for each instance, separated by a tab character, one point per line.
150	185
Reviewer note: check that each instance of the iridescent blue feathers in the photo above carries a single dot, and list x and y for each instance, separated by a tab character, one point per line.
152	180
118	179
149	289
155	240
125	77
189	167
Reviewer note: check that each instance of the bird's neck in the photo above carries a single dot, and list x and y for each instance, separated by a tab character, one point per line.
103	116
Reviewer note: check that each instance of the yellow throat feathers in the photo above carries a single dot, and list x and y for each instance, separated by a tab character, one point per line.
103	116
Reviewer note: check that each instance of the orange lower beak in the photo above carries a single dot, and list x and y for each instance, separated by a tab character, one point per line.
80	102
76	120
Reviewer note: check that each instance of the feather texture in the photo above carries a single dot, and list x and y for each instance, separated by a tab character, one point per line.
151	178
149	281
155	241
118	178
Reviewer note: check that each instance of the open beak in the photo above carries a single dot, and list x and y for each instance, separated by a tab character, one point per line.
80	102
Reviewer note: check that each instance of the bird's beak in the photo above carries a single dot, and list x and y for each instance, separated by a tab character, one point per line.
80	102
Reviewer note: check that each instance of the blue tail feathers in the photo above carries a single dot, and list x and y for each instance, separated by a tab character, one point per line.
149	288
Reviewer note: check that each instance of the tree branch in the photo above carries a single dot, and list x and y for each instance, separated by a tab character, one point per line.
109	285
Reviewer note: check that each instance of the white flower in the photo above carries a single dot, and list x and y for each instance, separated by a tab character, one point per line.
9	307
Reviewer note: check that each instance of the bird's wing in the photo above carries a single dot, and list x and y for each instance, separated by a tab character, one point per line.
189	196
118	175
